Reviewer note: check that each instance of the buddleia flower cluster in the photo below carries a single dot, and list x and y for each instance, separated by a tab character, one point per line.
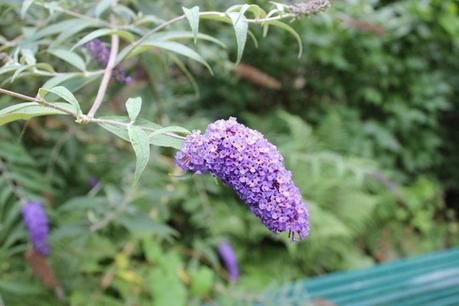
309	8
101	54
229	260
36	223
243	159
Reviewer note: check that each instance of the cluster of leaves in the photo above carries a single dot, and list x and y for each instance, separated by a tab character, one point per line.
154	243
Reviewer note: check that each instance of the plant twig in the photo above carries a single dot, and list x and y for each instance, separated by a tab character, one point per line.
84	119
38	100
107	74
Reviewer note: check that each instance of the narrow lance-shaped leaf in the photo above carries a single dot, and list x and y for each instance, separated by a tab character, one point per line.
193	18
70	57
26	111
102	6
25	7
241	27
292	31
179	49
141	146
133	106
65	94
104	32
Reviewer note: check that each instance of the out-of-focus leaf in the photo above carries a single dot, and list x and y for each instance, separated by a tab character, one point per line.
59	79
241	27
141	146
26	111
179	49
172	35
25	7
104	32
133	106
70	57
193	19
292	31
102	6
201	281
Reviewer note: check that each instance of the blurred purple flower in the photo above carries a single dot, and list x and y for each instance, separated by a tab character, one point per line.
101	54
36	222
230	261
93	182
254	168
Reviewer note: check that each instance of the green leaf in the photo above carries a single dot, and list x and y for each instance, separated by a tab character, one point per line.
26	111
170	129
179	49
102	6
172	35
133	106
201	281
71	31
59	79
25	7
141	146
141	224
162	140
193	18
241	27
28	56
70	57
65	94
292	31
104	32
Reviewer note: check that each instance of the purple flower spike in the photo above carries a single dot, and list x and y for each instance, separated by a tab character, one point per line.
230	261
253	167
36	222
101	54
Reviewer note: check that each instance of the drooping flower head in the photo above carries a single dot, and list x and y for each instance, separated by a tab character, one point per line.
254	168
101	54
36	222
229	260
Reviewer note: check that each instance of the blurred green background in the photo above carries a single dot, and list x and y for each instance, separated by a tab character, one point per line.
367	120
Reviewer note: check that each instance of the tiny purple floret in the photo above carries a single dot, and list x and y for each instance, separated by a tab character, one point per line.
229	260
243	159
36	222
101	54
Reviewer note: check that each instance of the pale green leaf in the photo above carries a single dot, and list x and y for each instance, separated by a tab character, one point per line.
25	7
173	35
179	49
71	31
292	31
161	140
193	18
170	129
65	94
141	146
70	57
29	56
102	6
133	106
26	111
59	79
241	28
104	32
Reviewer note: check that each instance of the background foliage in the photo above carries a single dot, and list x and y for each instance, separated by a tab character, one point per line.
365	119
